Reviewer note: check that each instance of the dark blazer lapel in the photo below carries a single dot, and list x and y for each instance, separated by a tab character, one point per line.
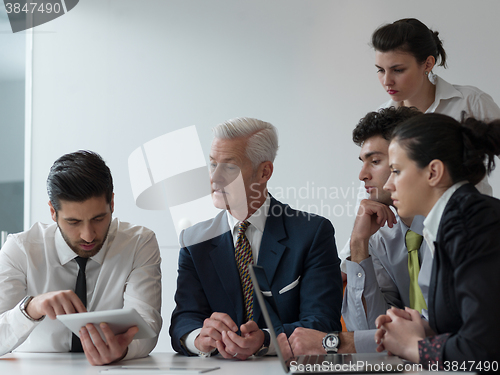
222	256
271	250
431	297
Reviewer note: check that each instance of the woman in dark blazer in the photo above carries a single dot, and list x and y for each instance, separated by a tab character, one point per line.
435	163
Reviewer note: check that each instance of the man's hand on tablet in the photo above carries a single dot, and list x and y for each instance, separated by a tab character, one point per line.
100	352
55	303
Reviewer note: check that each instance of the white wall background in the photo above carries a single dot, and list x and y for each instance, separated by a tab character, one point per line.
111	75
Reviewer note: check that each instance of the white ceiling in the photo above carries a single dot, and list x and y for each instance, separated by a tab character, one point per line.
12	50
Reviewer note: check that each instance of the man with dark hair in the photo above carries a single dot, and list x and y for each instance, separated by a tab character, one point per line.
378	271
85	261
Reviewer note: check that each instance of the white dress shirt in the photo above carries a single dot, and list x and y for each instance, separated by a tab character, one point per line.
431	222
254	234
450	100
125	273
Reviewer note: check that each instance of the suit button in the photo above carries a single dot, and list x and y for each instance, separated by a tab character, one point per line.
360	274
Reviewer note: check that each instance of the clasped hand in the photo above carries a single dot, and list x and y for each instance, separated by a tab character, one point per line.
219	332
399	332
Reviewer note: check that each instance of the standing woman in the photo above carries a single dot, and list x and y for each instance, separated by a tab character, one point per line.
435	163
406	52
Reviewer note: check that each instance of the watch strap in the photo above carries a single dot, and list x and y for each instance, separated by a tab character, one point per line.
24	304
265	345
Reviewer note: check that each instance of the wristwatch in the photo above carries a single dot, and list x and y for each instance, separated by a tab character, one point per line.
331	342
24	305
265	346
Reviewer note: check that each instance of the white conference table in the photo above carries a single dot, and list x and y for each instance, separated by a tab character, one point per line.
76	364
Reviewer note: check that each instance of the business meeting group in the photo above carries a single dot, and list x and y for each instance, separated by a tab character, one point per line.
411	281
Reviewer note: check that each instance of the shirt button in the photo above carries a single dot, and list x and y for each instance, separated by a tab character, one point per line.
360	274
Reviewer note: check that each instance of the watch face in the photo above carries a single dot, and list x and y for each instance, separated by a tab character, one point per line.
332	341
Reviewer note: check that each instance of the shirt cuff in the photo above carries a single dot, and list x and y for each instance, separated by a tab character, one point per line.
355	274
16	327
431	349
364	341
362	276
344	254
131	351
22	321
188	341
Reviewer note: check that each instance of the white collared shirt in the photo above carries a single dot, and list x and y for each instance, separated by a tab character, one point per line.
125	273
255	230
431	222
451	100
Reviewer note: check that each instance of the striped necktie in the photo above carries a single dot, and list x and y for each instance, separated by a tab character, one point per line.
413	241
243	255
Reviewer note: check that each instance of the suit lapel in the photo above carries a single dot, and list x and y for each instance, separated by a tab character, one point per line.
271	249
222	256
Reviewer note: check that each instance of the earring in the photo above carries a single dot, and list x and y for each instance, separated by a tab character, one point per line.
426	73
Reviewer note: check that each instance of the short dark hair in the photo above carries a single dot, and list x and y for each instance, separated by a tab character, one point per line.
382	123
77	177
463	147
411	36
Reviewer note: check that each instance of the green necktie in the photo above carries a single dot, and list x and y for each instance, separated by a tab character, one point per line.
413	241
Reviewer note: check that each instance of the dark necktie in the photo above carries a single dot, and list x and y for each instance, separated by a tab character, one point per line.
81	292
244	257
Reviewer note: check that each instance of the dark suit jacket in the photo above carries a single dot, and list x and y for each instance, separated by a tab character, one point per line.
464	294
294	244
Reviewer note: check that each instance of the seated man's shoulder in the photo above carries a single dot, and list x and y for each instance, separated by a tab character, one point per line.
127	231
204	231
37	234
297	218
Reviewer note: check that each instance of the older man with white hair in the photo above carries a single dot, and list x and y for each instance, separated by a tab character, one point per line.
215	309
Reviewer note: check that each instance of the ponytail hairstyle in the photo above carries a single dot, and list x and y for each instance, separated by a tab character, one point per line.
411	36
467	149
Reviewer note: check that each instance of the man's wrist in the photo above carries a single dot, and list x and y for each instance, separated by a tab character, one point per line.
201	353
122	357
347	344
359	249
264	348
23	306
